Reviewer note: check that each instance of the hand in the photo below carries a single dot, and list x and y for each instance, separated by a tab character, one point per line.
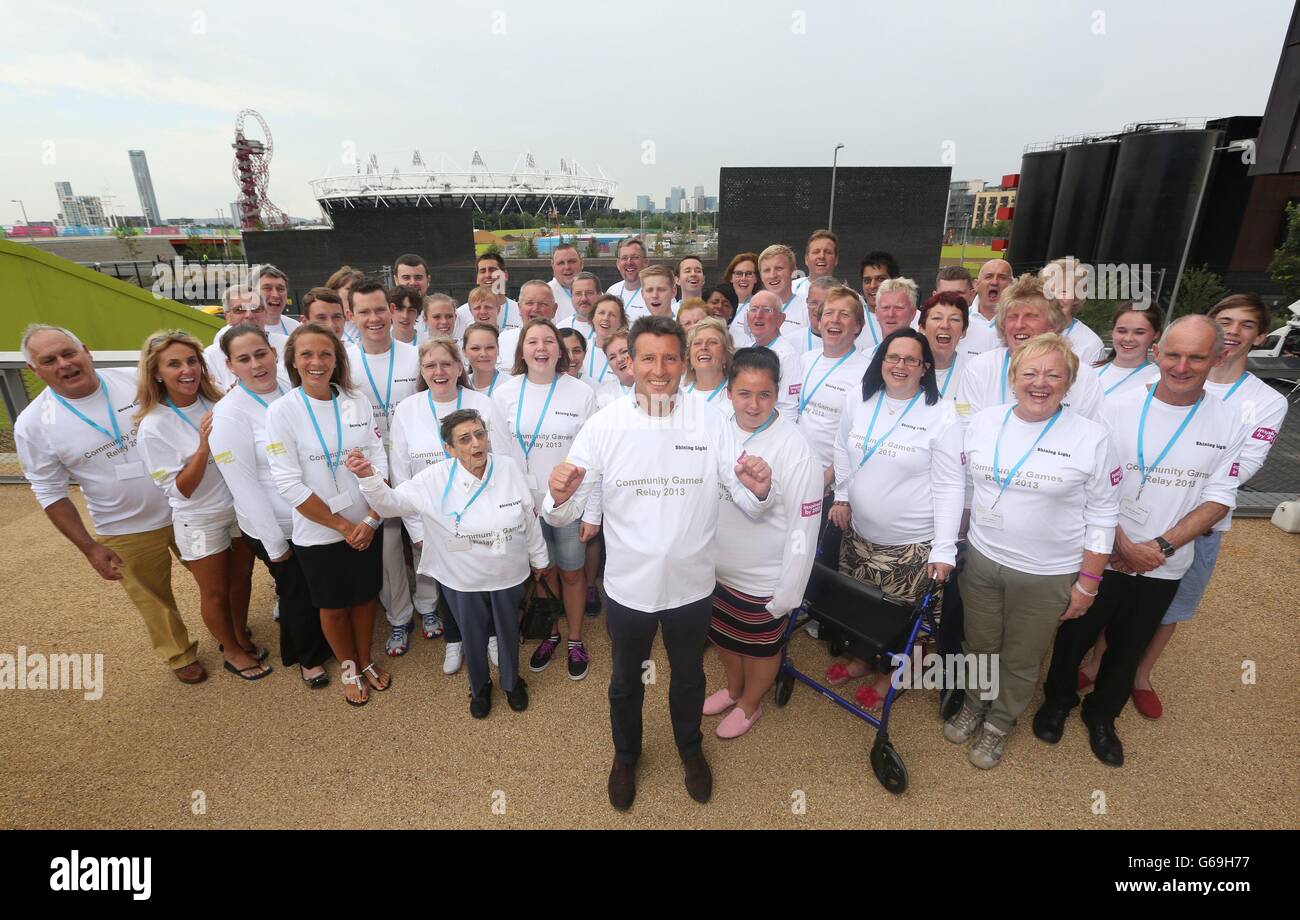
587	532
357	464
565	480
755	475
360	537
205	429
542	574
419	545
841	515
939	571
285	557
828	479
1141	557
106	562
1079	604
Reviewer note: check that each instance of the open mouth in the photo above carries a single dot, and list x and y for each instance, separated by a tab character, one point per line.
832	330
1021	337
899	374
942	338
1039	394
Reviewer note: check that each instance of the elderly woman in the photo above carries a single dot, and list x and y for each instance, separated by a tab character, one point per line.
620	381
944	321
1044	510
175	397
482	537
1133	330
898	484
1025	310
709	354
762	565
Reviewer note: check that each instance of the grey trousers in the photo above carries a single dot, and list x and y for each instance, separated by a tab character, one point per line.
473	611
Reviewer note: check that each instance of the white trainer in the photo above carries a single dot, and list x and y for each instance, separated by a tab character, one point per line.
492	651
452	659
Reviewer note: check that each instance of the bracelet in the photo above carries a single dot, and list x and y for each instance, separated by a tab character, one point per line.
1089	576
1078	587
373	523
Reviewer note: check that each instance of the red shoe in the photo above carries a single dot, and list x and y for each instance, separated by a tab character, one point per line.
1084	680
1147	703
868	698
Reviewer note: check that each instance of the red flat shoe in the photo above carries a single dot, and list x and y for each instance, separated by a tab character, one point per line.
1147	703
868	698
1084	680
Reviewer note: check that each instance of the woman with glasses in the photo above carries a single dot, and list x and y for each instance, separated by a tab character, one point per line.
742	274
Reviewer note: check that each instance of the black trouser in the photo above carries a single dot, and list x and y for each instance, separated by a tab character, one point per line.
631	634
953	616
1129	609
301	639
830	537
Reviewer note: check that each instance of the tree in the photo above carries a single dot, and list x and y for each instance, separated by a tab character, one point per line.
593	248
1200	290
1285	267
127	237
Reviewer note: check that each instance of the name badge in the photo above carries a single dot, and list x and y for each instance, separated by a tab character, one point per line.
532	483
458	544
988	518
132	470
340	502
1135	512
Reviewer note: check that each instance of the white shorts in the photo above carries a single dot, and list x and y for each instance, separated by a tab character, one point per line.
199	539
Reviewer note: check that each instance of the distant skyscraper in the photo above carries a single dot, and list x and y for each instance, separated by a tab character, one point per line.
78	210
645	203
711	203
699	191
676	199
144	186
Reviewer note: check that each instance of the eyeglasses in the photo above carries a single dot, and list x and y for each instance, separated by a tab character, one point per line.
761	311
908	362
744	275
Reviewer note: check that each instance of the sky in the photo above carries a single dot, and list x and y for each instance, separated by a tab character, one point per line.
652	95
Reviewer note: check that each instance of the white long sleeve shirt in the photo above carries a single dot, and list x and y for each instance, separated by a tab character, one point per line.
238	441
499	532
1087	345
1262	410
300	465
1063	500
1118	380
772	556
984	384
823	393
1202	466
167	442
220	372
571	404
911	489
56	448
660	479
403	371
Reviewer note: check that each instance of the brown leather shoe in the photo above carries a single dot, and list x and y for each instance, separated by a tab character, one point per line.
622	785
699	778
191	674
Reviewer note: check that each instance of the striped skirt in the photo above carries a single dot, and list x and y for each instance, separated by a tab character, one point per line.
741	624
899	571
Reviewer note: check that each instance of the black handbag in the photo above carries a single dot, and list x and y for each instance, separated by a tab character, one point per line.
540	613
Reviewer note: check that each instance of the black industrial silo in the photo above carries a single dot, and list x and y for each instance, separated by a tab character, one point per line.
1040	176
1081	200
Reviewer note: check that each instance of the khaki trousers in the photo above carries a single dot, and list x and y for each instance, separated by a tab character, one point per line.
147	578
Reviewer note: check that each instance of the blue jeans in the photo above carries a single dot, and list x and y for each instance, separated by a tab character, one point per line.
1197	578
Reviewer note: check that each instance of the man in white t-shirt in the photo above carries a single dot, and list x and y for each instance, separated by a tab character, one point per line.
535	300
566	263
1066	280
630	260
764	320
242	305
79	429
490	271
1179	449
895	309
994	277
821	255
273	287
586	288
659	460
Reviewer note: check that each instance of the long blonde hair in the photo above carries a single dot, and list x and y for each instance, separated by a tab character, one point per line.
150	390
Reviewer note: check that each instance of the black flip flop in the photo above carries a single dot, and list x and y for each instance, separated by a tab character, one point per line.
320	680
262	653
239	672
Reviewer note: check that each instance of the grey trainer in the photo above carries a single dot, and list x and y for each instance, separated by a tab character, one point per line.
960	727
986	752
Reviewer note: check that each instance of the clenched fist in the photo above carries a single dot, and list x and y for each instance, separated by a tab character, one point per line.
565	480
755	475
358	465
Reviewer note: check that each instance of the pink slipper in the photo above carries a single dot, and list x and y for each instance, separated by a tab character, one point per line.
718	703
735	724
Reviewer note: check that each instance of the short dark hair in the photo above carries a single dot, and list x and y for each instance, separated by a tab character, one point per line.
727	291
320	293
878	258
656	325
756	358
242	329
269	271
367	286
1249	301
496	257
953	273
873	379
570	333
405	297
452	420
947	299
412	260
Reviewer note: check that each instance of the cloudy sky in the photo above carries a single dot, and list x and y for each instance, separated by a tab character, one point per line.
654	94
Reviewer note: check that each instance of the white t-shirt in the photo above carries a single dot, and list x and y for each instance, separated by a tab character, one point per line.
1086	343
912	487
984	384
1117	380
787	394
1063	499
563	299
238	441
283	326
1262	410
1202	466
224	378
300	465
796	319
399	365
633	300
659	478
611	390
772	556
56	448
168	439
508	317
948	380
499	534
571	404
981	334
825	383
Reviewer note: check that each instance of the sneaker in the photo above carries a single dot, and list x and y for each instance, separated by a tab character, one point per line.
518	697
431	624
812	629
578	661
960	727
593	602
399	639
275	611
986	752
452	658
542	657
492	651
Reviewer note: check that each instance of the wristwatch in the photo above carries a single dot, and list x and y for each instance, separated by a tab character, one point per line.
1165	546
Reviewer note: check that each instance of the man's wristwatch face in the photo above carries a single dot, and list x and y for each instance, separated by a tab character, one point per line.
1165	546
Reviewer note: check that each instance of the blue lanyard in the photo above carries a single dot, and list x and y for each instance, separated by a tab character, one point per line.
793	295
810	340
803	403
282	329
760	429
1006	362
1073	323
591	364
505	317
493	385
997	449
388	394
1113	387
1240	380
952	369
278	392
112	416
459	393
871	325
519	411
333	464
183	417
627	306
1142	424
446	490
880	401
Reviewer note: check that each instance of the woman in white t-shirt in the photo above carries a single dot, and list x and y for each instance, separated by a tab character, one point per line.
708	354
1044	506
1132	332
238	442
607	318
480	343
176	397
899	484
545	408
620	381
311	429
574	344
944	322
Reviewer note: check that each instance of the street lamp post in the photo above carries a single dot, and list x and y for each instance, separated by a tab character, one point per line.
835	159
26	222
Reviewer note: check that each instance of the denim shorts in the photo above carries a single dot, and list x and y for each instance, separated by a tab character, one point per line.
567	551
1192	588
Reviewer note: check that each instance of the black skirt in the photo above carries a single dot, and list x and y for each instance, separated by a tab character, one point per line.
338	576
741	624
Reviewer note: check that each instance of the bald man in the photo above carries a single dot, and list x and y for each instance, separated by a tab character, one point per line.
995	277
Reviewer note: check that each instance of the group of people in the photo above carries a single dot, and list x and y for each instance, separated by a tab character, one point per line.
699	446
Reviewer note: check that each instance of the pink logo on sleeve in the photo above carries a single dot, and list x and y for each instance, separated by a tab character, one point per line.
963	458
1235	470
1265	434
1116	475
795	388
811	509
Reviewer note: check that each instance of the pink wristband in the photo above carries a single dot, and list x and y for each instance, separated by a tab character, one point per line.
1089	576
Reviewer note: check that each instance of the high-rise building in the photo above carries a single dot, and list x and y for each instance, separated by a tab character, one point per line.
78	210
961	203
144	186
645	203
676	199
711	203
987	203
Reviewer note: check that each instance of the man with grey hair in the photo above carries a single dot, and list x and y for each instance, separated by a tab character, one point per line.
272	285
536	299
79	429
895	309
763	322
585	290
630	260
1179	463
243	304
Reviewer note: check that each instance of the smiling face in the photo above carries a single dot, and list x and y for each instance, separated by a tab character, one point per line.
416	276
487	271
894	311
903	367
691	278
404	322
1132	335
246	308
62	365
314	360
631	259
764	317
181	370
776	272
658	293
565	264
657	365
371	314
944	329
707	351
720	307
577	352
1040	383
327	314
1241	331
1186	358
440	317
821	257
620	359
541	350
839	324
469	445
744	278
585	292
274	293
441	372
753	396
253	362
606	319
536	300
873	276
481	350
1024	321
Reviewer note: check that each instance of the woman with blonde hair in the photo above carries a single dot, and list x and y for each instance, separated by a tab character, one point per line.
176	396
709	352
